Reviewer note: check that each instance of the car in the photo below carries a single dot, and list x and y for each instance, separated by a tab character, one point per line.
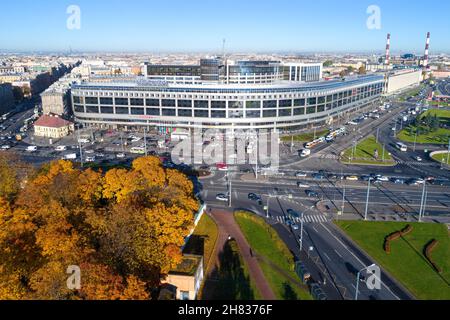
318	176
289	222
294	226
311	194
60	148
411	182
31	148
120	155
397	180
222	197
300	174
254	197
90	159
366	178
418	158
382	178
6	147
89	151
351	178
293	213
302	185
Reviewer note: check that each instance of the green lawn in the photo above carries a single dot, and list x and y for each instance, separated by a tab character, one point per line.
265	242
203	239
407	262
234	282
364	153
306	137
442	157
440	136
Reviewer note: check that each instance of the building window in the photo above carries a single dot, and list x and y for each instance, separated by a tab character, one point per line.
184	295
253	104
152	102
270	104
299	111
184	103
107	101
168	103
184	112
109	110
92	109
122	110
218	114
91	100
138	111
153	112
201	104
136	102
201	113
121	101
79	108
218	104
253	114
270	113
168	112
285	112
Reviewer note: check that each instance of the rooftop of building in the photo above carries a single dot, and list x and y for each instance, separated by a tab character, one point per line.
188	265
281	85
51	121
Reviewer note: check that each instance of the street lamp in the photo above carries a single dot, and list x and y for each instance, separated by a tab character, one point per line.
357	279
301	232
367	200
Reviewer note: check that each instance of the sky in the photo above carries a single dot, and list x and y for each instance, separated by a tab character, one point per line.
201	25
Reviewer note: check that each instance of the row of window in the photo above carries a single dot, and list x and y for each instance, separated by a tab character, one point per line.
187	92
343	97
205	113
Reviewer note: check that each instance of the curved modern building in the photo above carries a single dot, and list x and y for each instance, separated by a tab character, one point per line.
261	98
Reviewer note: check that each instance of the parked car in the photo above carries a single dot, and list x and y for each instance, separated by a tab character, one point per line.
222	197
301	174
418	158
120	155
312	194
302	185
254	197
351	178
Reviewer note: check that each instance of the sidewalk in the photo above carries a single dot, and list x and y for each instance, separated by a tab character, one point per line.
228	226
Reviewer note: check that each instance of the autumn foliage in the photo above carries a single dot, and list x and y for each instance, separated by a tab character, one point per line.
123	228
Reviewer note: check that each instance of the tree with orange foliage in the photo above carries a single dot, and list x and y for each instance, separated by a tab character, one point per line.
123	228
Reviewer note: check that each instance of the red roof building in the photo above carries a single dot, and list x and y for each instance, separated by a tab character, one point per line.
52	126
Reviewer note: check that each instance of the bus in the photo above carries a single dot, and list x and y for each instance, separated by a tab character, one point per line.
138	150
402	147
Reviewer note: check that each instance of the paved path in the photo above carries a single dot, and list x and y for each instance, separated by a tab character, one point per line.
228	226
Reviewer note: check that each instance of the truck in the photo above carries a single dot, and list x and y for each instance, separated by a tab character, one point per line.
70	156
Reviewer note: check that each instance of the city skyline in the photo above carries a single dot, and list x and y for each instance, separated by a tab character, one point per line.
176	26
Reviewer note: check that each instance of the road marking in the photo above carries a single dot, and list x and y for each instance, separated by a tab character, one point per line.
338	253
326	256
339	241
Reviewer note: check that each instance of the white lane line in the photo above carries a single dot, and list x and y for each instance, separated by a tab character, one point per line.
346	248
326	256
338	253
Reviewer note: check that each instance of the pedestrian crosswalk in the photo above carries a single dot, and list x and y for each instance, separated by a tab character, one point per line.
307	219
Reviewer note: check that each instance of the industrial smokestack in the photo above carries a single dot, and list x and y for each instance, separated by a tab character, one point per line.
388	49
427	48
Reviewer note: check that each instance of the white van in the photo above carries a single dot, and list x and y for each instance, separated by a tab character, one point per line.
61	148
305	153
31	148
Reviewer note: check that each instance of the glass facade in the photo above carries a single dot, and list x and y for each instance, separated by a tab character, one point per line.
266	106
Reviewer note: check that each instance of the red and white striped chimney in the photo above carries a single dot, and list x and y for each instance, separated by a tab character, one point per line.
427	48
388	49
